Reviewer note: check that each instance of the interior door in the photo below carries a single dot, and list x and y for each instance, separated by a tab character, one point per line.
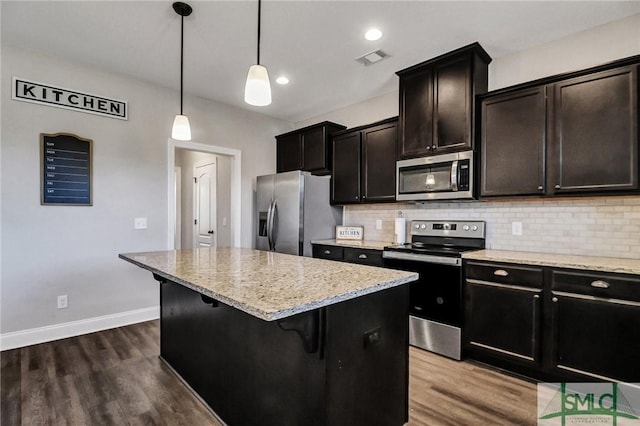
204	204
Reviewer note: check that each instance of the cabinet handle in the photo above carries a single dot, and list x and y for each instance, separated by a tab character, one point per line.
600	284
501	273
428	148
557	186
540	188
356	197
364	196
327	252
362	256
534	330
554	299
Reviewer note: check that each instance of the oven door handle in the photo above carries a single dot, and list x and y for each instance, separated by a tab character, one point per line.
424	258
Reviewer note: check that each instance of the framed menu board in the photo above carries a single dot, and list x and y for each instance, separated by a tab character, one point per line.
66	169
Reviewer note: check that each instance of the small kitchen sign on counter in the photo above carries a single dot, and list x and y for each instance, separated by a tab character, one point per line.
66	169
45	94
349	232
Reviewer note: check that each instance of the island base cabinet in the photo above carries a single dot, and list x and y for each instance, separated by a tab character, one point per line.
344	364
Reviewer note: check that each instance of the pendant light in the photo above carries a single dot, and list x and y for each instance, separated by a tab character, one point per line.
181	129
257	90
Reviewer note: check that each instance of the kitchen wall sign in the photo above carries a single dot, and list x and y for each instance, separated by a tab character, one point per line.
349	232
66	169
45	94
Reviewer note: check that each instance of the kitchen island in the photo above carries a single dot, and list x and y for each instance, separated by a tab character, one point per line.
269	338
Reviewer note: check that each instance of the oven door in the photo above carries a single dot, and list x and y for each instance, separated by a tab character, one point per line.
437	294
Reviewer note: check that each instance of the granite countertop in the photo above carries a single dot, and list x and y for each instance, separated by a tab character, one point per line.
594	263
268	285
364	244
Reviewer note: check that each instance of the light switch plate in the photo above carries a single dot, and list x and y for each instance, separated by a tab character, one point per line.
516	228
140	223
378	224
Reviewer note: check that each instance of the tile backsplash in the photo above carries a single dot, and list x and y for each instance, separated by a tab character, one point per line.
595	226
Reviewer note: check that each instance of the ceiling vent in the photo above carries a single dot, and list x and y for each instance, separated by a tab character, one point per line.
372	57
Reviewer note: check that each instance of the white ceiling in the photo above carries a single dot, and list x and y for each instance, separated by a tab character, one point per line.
313	42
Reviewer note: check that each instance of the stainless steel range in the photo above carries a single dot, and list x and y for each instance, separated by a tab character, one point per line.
436	305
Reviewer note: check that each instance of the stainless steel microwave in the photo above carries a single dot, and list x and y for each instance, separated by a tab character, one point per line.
437	177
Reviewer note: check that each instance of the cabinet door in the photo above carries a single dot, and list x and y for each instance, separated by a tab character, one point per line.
345	173
503	321
288	153
379	147
315	150
594	319
595	143
416	114
512	143
596	337
453	105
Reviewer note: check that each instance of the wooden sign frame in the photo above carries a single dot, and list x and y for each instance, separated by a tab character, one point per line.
66	170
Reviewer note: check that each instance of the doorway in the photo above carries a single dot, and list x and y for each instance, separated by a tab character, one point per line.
225	219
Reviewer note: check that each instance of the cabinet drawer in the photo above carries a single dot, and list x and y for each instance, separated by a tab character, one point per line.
364	256
505	274
327	252
605	286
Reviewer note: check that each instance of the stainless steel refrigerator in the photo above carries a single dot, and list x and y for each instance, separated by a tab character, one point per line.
292	210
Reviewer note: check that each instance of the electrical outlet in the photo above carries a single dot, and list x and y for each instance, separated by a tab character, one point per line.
516	228
378	224
63	302
140	223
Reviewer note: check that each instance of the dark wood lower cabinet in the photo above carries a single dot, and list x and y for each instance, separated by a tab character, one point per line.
505	321
344	364
553	324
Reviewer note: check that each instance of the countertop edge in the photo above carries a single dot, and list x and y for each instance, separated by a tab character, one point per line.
580	262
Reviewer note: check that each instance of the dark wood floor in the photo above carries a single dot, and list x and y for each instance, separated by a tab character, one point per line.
115	377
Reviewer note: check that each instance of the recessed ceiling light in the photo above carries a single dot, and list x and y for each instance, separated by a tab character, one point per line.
373	34
282	80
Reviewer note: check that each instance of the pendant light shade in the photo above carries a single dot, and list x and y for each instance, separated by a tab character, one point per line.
181	129
257	90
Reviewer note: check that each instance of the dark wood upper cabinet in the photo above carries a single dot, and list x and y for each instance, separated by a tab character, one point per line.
595	141
289	152
307	149
513	143
563	135
345	173
364	163
437	102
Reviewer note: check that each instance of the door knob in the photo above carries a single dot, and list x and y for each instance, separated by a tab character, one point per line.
210	232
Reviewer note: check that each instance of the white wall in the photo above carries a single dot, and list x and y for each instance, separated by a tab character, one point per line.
52	250
601	226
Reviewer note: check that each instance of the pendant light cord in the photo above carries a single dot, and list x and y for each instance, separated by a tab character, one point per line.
259	7
181	57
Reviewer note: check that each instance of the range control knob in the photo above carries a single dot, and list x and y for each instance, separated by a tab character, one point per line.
465	228
474	228
423	226
446	226
417	226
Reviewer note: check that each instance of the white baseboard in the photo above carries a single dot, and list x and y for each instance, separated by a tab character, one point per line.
33	336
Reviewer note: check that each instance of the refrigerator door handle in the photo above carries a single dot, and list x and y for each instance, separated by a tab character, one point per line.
269	213
274	208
